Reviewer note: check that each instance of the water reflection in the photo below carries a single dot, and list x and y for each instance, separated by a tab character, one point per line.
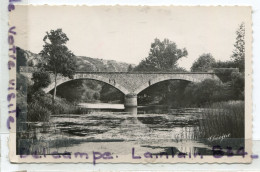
131	110
154	129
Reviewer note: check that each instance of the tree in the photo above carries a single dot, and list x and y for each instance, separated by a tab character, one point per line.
21	58
130	68
238	55
224	64
237	85
163	56
58	59
96	96
204	63
41	79
207	91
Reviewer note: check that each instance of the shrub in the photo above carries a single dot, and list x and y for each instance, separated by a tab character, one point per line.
224	74
41	79
40	106
237	86
36	112
207	91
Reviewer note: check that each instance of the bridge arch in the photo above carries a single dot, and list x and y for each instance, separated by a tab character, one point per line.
166	78
110	82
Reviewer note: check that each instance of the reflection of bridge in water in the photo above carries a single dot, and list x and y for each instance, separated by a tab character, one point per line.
129	83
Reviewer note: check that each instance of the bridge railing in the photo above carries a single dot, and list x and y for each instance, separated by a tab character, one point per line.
28	69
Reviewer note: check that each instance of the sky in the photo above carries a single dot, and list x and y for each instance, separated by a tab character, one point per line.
125	34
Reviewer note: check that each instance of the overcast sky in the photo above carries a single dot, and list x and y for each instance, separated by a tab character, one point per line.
126	33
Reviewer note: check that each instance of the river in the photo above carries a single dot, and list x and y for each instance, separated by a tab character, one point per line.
155	129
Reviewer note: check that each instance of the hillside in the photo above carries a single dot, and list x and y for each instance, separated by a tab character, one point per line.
84	63
83	90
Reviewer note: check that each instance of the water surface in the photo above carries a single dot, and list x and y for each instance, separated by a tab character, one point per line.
155	129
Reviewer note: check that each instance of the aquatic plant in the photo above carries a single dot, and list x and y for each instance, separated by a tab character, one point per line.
221	122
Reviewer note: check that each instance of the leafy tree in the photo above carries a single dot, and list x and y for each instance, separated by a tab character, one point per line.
72	95
203	64
175	92
111	94
96	96
130	68
207	91
166	92
41	79
224	64
21	58
239	50
224	74
21	83
154	93
237	85
58	59
180	69
163	56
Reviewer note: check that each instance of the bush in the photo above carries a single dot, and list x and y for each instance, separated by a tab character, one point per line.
41	79
207	91
21	83
96	96
111	94
37	112
237	86
40	106
37	109
224	74
224	64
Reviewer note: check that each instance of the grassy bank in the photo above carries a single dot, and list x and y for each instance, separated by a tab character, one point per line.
40	108
223	123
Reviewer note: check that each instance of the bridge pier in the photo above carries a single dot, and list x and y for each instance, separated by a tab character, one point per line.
130	100
131	110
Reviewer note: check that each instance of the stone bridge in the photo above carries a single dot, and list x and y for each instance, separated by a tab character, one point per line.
129	83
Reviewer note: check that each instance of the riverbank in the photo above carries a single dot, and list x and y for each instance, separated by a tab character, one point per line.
223	124
41	107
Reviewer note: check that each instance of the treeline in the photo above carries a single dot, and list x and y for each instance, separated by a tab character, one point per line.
163	56
183	93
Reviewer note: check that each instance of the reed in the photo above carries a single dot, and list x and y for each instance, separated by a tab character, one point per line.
222	122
